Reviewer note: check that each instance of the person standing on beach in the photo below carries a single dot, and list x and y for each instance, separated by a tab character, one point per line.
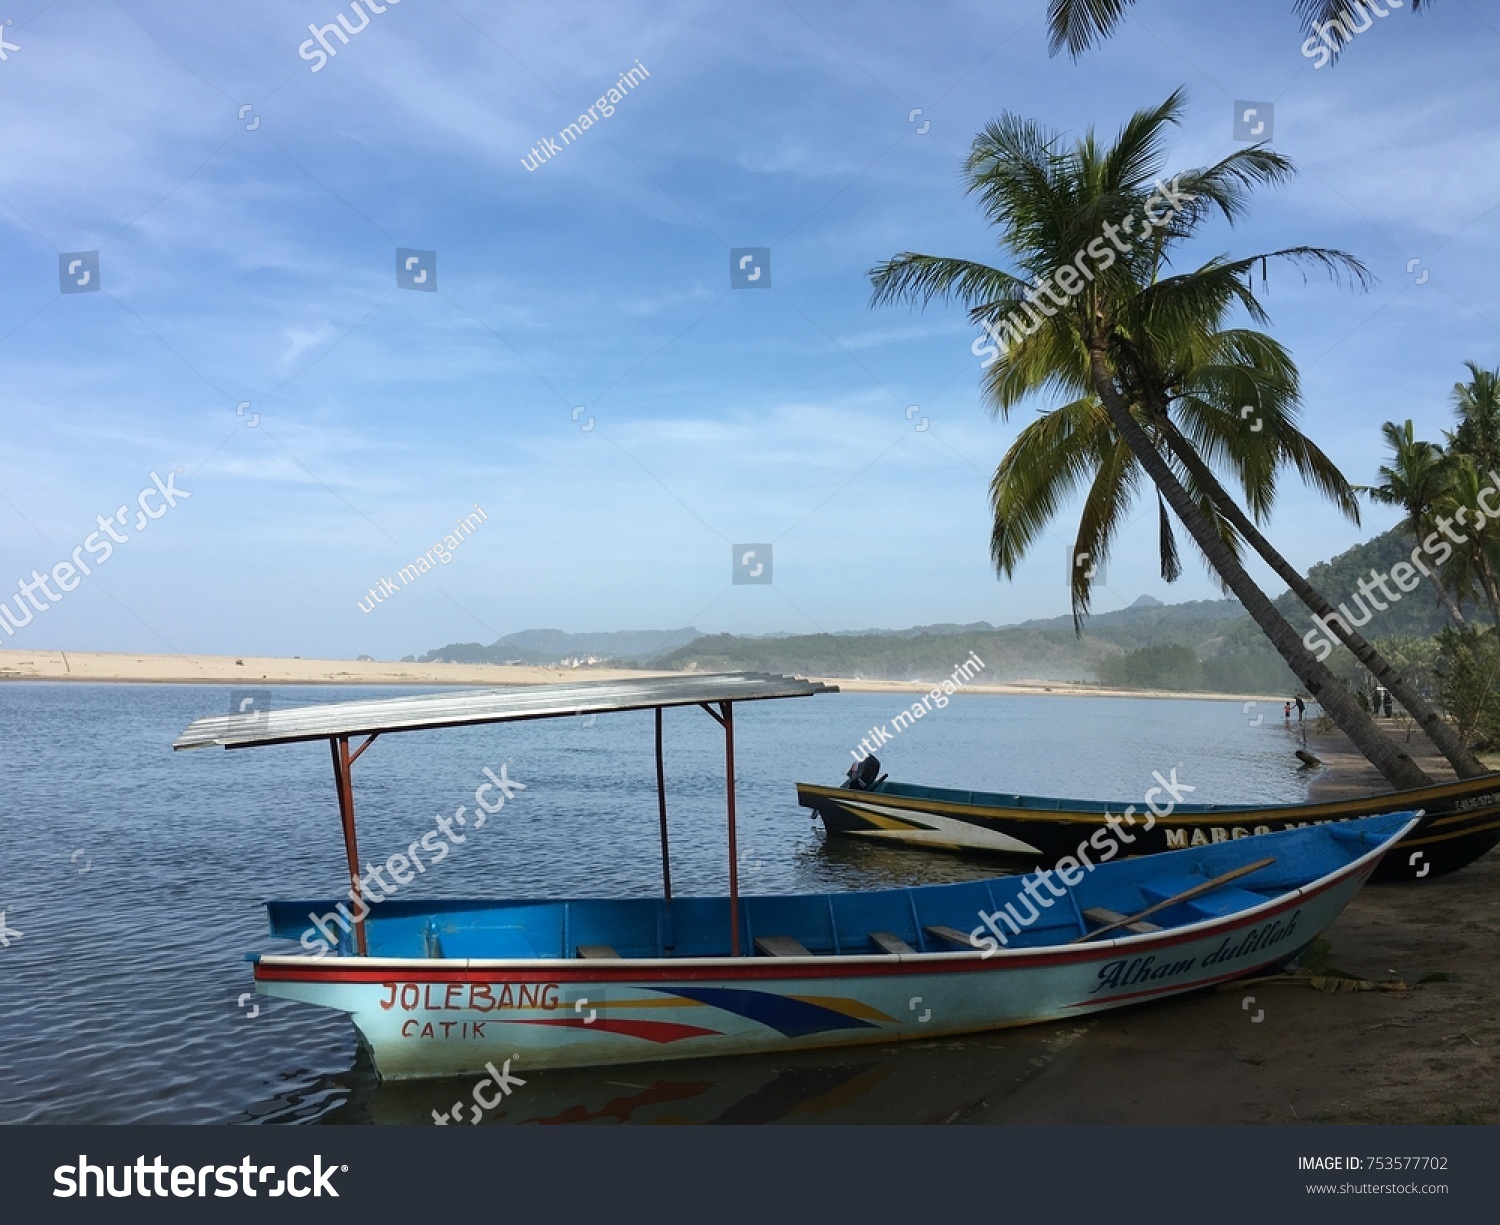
1286	712
1386	703
1301	706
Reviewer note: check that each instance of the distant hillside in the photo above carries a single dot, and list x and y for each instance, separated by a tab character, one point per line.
940	629
1008	654
1417	615
1151	623
1044	650
1201	644
550	646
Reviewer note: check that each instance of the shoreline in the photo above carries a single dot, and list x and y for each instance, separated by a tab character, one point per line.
1346	774
107	667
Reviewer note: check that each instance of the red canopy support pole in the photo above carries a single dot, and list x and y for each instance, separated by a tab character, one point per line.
661	803
734	856
343	782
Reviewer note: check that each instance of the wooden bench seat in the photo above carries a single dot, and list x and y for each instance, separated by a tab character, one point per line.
598	952
886	942
780	946
1104	916
951	934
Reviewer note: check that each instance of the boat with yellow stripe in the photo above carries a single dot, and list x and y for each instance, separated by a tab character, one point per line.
1461	821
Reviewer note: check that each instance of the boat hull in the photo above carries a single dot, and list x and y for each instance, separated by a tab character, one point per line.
428	1017
1461	822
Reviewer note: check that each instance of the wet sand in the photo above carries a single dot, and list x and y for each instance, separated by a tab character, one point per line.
1423	1055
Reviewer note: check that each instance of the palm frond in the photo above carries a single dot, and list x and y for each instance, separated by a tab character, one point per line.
917	278
1171	561
1227	184
1105	511
1049	460
1337	18
1134	160
1079	24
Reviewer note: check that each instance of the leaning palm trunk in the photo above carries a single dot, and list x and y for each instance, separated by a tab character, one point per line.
1491	592
1444	737
1446	601
1394	764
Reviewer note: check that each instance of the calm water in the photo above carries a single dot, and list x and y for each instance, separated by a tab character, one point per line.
136	877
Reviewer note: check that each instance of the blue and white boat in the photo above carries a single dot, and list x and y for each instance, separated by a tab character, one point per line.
444	988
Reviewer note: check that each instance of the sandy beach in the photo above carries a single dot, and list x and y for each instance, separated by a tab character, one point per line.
109	667
1426	1054
1423	1054
102	667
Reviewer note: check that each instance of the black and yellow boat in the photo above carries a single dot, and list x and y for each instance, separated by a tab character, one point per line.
1461	821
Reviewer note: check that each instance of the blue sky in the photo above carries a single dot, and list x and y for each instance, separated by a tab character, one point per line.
252	258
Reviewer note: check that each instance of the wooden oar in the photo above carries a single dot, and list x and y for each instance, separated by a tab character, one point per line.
1186	895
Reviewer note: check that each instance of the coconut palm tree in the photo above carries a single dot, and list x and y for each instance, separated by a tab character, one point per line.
1079	24
1477	404
1417	479
1474	449
1062	212
1241	370
1476	554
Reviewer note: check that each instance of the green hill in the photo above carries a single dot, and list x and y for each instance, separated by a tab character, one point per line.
1208	645
1148	645
1416	615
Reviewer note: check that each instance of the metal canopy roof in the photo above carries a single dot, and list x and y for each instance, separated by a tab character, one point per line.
337	719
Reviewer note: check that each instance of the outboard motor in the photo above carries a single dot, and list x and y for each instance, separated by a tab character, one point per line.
864	775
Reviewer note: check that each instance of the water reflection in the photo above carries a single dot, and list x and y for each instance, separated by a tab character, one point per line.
943	1081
